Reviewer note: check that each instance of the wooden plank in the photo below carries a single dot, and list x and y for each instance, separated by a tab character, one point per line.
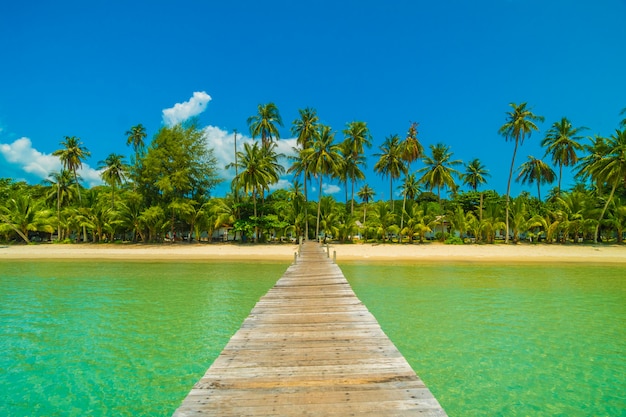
310	348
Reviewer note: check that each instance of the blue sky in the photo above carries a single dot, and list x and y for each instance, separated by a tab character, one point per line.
94	69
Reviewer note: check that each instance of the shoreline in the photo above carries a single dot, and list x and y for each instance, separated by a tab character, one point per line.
429	252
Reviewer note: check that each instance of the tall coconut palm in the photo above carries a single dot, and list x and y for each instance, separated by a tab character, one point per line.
536	171
390	162
365	194
135	138
439	171
475	175
264	123
357	137
323	157
305	129
351	169
72	155
113	172
562	143
411	147
409	189
520	122
60	183
259	168
610	169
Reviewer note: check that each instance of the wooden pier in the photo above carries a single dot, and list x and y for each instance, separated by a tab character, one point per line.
310	348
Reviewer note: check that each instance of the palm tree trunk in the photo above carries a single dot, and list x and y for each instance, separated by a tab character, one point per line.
508	192
391	191
606	205
352	199
402	216
256	227
306	211
560	176
319	210
58	211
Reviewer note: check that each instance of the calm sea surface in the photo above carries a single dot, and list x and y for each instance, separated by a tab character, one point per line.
131	338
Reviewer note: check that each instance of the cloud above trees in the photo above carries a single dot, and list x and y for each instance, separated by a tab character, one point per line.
183	111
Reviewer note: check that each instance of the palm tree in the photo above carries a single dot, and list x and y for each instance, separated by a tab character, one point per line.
390	162
562	142
72	156
520	122
409	189
411	147
610	169
259	168
535	170
475	175
623	113
438	170
135	138
357	137
60	183
264	123
365	194
113	172
23	214
351	169
305	129
323	157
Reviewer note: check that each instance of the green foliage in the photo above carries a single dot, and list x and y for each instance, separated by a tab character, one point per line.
454	240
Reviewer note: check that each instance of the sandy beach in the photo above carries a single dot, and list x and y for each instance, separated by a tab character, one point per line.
430	252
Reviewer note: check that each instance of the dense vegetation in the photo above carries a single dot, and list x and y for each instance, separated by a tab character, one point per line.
164	191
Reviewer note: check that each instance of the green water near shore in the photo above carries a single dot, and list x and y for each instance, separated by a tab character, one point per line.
131	338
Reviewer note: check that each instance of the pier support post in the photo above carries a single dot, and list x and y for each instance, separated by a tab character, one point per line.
295	258
334	256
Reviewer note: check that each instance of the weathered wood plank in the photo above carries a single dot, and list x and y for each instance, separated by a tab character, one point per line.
310	348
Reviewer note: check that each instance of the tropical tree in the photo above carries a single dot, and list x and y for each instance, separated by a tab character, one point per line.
323	157
562	142
411	148
305	129
60	190
264	123
258	169
384	219
23	214
610	169
357	137
438	171
519	124
135	138
351	169
390	162
409	189
72	156
113	172
475	175
536	171
365	194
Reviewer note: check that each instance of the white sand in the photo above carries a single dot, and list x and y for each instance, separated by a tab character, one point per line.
429	252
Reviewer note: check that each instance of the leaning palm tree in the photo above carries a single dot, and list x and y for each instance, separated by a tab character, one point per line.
536	171
323	157
520	122
357	137
610	169
264	123
113	172
475	175
562	142
390	162
439	171
305	129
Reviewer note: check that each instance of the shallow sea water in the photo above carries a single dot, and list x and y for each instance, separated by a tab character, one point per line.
131	338
507	340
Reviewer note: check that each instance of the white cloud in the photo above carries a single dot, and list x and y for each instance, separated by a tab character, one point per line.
183	111
282	183
41	165
330	188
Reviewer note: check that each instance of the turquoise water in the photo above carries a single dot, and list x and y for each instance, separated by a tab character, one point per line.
131	338
509	340
113	338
